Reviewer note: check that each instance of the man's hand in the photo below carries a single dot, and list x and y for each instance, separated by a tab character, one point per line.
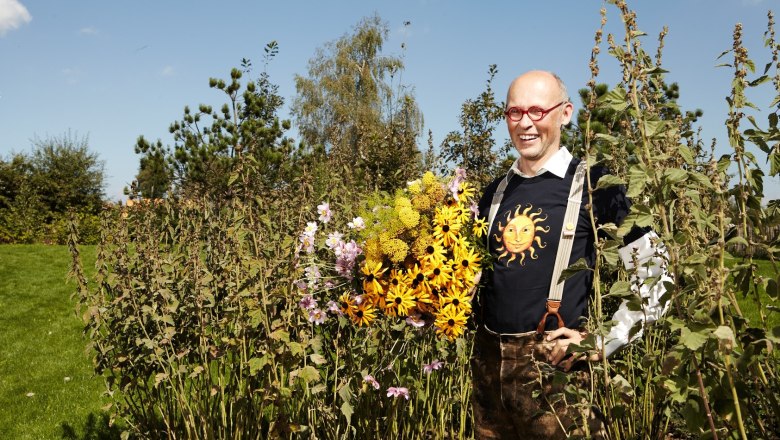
563	337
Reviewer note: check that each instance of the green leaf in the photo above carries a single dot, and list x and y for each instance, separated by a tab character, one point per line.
620	289
573	269
609	180
615	99
346	409
318	359
612	140
693	340
256	364
675	175
685	153
653	128
637	179
309	374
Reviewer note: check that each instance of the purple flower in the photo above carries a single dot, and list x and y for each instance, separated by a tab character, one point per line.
300	284
434	365
323	210
307	242
308	303
317	316
398	392
369	379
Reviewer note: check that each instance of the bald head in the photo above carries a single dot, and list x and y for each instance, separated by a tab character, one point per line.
537	139
542	79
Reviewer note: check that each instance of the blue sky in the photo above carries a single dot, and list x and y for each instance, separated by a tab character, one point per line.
115	70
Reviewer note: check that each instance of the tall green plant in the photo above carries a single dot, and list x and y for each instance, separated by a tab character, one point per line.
687	368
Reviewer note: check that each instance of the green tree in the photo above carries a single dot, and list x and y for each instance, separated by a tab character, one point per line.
67	175
473	148
349	105
211	146
14	172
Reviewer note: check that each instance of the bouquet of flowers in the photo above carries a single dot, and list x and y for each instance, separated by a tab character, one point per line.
413	256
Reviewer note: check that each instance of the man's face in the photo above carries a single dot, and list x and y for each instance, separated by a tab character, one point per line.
536	141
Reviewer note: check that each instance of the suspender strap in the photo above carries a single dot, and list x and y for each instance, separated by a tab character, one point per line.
497	197
564	248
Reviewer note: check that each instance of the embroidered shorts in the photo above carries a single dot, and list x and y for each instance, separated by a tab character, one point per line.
516	394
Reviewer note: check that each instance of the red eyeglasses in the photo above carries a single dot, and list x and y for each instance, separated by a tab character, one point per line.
515	114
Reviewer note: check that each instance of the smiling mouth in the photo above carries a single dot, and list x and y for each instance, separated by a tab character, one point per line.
528	137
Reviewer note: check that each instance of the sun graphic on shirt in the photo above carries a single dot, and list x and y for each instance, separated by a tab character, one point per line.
519	234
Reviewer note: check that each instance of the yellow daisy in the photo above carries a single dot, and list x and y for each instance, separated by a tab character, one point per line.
438	274
479	227
450	322
363	313
399	301
372	273
457	298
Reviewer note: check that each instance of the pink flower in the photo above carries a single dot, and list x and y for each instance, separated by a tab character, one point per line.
398	392
474	209
369	379
454	186
334	308
357	223
317	316
334	239
434	365
415	320
308	303
323	210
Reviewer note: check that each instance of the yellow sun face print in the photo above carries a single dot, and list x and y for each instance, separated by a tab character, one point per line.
519	234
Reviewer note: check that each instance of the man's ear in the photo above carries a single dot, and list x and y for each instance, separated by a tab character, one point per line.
567	113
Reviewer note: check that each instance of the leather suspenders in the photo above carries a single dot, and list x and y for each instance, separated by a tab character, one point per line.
568	230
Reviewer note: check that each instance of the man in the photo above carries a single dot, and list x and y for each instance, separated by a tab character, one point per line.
522	328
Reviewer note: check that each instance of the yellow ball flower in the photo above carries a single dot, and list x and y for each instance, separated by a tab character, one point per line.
402	202
428	179
409	217
421	202
415	187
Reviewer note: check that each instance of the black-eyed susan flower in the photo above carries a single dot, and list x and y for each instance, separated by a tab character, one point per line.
450	322
457	298
467	261
372	273
479	228
439	274
399	301
466	191
446	227
363	313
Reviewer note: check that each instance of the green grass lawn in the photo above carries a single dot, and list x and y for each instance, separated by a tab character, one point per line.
47	386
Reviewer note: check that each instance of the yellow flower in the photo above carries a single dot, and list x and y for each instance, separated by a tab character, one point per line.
446	228
409	217
372	273
467	262
428	179
347	304
418	281
363	313
434	253
421	202
436	192
450	322
479	227
457	298
466	191
373	250
415	187
395	249
402	202
439	274
399	300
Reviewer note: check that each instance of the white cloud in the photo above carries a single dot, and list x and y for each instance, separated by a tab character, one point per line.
12	15
168	71
89	30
